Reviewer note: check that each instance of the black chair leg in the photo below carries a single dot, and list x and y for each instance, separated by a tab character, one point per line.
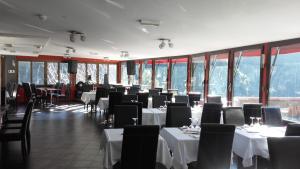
28	139
23	147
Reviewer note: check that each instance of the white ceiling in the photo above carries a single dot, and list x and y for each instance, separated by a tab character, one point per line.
111	25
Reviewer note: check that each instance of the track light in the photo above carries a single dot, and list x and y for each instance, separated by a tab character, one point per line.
82	37
163	43
73	35
124	54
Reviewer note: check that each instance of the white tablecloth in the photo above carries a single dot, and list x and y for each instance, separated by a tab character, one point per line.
86	97
153	116
184	146
113	147
247	144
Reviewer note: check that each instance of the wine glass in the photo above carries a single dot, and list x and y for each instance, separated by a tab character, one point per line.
194	122
134	121
165	106
259	120
252	121
195	104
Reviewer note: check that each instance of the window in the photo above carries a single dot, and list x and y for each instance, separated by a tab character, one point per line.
218	75
246	77
92	70
52	75
197	74
23	72
81	73
102	72
64	75
124	76
112	74
137	73
285	81
179	75
38	73
146	75
161	73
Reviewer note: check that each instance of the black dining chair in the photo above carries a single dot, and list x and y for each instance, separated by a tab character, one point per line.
100	92
178	116
124	115
159	89
158	101
153	92
143	97
27	89
168	95
133	90
272	116
115	98
181	99
120	89
19	134
129	98
251	110
140	110
284	152
292	129
215	147
211	113
139	147
234	116
193	98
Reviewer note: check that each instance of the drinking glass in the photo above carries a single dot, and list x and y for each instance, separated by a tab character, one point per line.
252	121
134	121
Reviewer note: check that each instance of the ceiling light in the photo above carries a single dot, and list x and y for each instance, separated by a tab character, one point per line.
162	44
149	22
72	37
42	17
170	44
82	37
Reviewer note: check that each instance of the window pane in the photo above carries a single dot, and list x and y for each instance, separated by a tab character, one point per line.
161	73
137	73
218	76
124	76
52	75
179	75
146	75
197	73
92	70
38	73
112	78
285	81
246	77
64	75
81	73
102	72
23	72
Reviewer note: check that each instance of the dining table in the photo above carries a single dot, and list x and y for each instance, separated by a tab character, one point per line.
2	116
248	142
86	97
48	90
111	145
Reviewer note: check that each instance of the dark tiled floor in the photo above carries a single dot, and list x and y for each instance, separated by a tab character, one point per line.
62	137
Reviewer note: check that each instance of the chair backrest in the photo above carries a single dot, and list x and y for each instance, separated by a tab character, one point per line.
115	98
124	114
293	129
63	89
33	88
27	115
194	97
133	90
129	97
158	101
284	152
100	92
120	89
251	110
143	97
159	89
234	116
181	99
211	113
140	110
139	147
272	116
168	95
178	116
27	89
215	146
214	99
153	92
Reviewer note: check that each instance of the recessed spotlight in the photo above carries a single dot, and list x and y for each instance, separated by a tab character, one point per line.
171	45
162	44
42	17
82	37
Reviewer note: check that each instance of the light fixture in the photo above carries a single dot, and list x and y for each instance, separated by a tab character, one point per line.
124	54
42	17
73	35
149	22
163	43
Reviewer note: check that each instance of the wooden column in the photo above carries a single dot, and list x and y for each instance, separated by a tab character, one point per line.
265	74
140	72
206	77
153	74
119	72
189	75
169	74
230	77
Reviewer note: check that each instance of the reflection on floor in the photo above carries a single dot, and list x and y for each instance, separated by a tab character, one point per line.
63	137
